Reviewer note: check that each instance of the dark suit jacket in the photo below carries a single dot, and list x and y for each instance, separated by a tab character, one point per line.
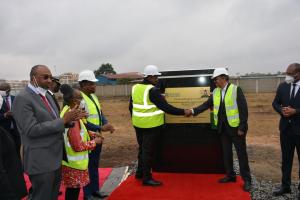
282	99
6	122
41	132
242	107
12	182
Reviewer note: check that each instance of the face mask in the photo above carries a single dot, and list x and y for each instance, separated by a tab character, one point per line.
2	93
39	89
1	101
289	79
82	104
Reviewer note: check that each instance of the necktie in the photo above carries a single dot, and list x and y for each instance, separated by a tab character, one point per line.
44	99
292	99
7	103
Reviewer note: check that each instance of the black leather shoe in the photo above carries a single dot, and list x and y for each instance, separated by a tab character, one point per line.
247	186
99	194
152	182
227	179
281	191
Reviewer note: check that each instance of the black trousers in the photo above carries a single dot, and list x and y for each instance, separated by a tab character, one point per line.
94	158
17	139
146	138
72	193
229	137
288	142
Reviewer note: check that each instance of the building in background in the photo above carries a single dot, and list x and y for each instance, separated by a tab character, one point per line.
123	78
68	78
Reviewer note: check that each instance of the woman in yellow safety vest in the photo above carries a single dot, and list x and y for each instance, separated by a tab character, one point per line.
77	143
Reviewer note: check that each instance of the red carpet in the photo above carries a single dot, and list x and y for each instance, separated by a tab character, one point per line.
103	172
181	187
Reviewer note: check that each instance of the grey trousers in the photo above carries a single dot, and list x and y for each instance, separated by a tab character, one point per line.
45	186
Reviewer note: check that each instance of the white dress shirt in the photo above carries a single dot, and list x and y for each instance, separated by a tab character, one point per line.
224	91
296	88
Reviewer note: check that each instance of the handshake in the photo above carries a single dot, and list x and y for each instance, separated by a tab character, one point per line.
188	112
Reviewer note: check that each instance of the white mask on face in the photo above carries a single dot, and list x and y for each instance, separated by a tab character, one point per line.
289	79
82	104
2	93
1	101
39	89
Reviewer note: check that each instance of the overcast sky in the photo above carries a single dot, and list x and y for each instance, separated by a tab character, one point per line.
73	35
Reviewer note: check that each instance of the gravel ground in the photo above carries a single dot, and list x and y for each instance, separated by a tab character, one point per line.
261	190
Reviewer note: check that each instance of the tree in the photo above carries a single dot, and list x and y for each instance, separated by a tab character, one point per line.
105	69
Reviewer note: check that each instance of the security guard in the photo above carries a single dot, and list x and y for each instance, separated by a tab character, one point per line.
96	122
230	116
147	107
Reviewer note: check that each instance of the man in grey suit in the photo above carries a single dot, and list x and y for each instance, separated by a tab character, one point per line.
41	130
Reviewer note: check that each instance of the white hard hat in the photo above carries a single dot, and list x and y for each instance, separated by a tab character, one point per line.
219	71
151	70
87	75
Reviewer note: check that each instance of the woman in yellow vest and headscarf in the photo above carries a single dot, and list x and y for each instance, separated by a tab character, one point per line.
77	143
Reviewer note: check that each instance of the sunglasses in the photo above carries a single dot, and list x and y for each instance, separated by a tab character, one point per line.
46	77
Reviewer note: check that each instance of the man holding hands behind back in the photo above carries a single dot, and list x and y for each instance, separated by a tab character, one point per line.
230	116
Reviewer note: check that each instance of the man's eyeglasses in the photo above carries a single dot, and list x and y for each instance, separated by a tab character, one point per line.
46	77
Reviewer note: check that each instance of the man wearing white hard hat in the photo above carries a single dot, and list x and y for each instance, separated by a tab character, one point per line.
147	107
96	122
231	117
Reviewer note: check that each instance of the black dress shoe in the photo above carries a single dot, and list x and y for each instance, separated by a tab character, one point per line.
227	179
247	186
99	194
152	182
281	191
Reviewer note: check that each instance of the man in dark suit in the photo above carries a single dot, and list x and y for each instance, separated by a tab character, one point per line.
42	131
287	104
6	119
230	117
12	183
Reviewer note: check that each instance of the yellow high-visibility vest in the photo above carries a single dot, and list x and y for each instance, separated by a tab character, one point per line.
231	107
76	160
91	109
144	113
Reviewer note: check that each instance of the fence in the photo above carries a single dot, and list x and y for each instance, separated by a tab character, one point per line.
248	84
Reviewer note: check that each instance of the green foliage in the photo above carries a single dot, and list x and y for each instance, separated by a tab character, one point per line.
105	69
